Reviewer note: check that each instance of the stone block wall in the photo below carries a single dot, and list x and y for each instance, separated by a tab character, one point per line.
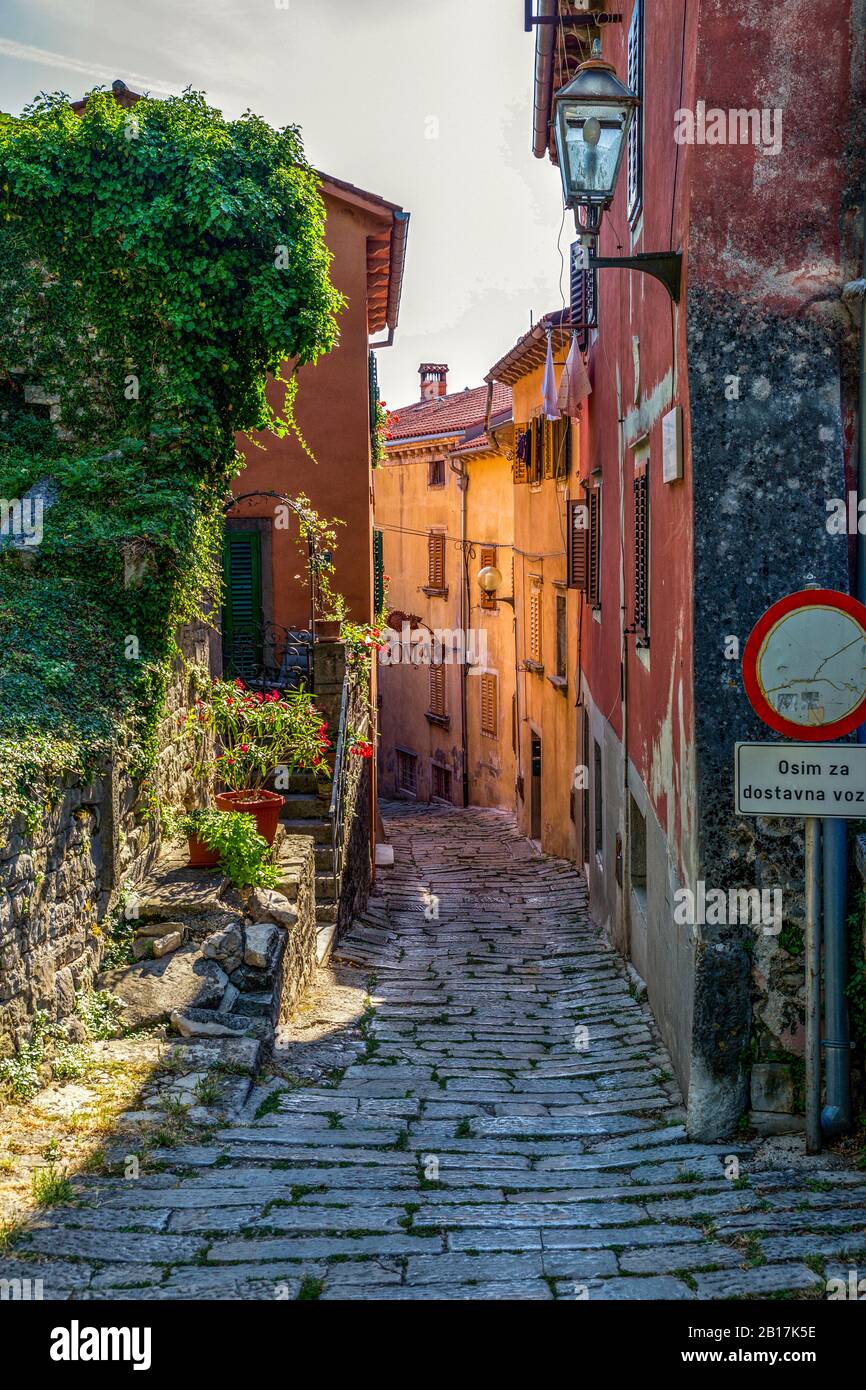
297	882
59	884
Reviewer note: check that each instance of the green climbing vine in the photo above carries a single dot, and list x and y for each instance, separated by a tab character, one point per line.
156	264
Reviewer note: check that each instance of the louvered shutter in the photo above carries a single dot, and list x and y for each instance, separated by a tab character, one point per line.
373	375
378	573
489	703
488	557
584	297
436	562
641	551
549	434
437	690
242	603
594	548
635	134
535	624
578	544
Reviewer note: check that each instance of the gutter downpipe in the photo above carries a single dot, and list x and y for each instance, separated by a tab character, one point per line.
544	39
836	1115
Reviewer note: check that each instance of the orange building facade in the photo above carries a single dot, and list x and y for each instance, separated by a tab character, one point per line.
446	677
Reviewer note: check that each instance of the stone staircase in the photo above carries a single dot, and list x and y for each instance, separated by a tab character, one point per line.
307	812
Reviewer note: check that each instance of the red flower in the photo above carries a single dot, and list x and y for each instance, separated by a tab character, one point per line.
239	683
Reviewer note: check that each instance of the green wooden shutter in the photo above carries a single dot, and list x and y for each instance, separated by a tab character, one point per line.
378	574
242	604
373	371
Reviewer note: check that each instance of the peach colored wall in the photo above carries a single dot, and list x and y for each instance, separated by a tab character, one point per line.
332	411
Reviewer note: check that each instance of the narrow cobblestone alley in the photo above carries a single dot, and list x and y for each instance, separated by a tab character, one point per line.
473	1105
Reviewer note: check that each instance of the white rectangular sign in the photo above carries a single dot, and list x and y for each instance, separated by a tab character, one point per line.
800	779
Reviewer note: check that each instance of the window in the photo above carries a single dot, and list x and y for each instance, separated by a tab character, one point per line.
378	573
441	786
535	623
490	705
593	578
549	446
407	772
641	550
488	557
437	691
635	134
436	475
242	604
561	637
598	803
522	453
637	850
436	561
584	297
536	466
584	752
584	545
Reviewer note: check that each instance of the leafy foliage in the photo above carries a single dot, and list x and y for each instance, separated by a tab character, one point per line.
155	265
245	855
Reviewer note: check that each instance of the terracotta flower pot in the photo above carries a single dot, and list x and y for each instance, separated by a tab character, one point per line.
265	806
200	857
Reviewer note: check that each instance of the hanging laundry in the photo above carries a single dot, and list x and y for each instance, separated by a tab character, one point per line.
551	406
575	384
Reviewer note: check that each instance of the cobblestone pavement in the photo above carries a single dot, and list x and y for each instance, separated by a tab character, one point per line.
444	1129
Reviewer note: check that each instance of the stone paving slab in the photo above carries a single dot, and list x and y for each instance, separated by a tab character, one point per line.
432	1132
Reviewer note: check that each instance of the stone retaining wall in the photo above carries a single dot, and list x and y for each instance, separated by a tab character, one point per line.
59	883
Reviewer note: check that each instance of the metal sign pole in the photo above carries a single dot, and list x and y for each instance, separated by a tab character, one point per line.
813	984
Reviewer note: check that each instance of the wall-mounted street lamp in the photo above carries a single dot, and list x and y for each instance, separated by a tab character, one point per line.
591	119
490	581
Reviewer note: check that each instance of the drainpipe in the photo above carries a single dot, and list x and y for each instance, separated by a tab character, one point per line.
836	1115
544	39
463	484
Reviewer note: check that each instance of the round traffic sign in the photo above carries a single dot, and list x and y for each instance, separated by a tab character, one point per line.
804	665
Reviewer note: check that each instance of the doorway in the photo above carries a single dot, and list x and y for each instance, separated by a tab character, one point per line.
535	790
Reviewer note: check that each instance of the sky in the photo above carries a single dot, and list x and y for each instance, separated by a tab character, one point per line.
425	102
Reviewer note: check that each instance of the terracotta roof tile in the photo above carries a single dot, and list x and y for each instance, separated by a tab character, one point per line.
452	414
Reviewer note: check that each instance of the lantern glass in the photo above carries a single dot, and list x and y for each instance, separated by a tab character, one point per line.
591	119
490	578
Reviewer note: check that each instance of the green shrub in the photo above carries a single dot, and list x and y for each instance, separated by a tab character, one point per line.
245	855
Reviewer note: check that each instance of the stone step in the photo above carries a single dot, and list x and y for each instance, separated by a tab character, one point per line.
305	805
325	935
326	912
325	886
320	830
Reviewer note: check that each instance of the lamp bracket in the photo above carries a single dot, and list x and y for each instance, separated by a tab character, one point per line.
666	266
594	19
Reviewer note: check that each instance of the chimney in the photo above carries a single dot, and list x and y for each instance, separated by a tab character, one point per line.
434	380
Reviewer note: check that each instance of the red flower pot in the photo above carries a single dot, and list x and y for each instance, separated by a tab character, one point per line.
200	857
265	806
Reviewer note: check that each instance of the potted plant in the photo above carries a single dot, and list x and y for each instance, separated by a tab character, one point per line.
256	733
231	841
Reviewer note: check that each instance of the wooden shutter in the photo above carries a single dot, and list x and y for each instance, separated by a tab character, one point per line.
488	557
641	550
593	576
562	447
242	603
549	435
520	470
578	544
635	134
436	561
536	471
378	573
373	379
584	295
490	706
535	623
437	690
